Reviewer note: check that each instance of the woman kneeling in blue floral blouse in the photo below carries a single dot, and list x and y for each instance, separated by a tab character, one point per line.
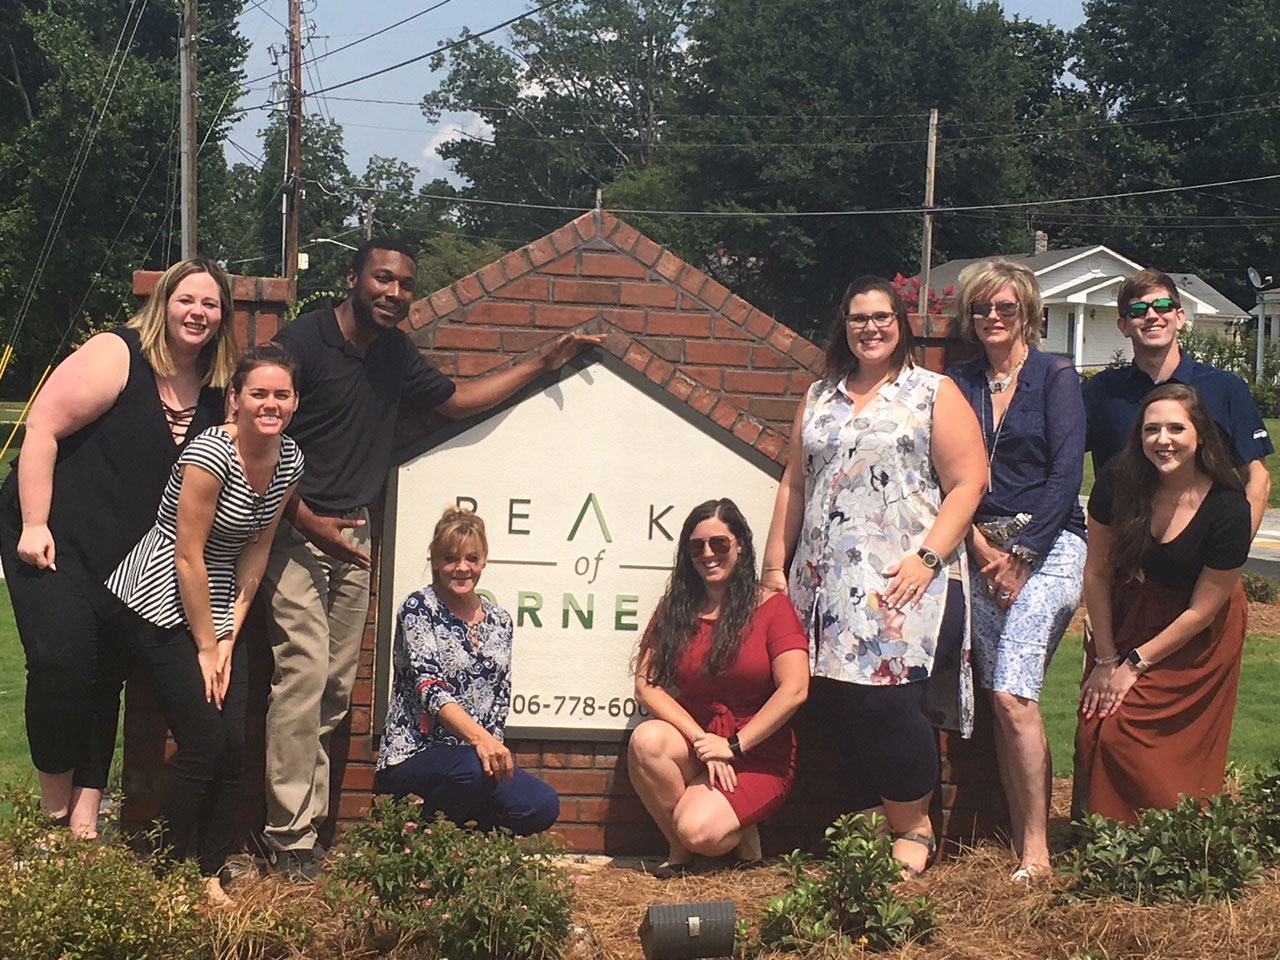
451	689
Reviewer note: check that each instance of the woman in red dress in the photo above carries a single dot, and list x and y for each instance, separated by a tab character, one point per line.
722	667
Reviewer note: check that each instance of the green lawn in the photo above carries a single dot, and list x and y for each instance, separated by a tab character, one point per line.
13	729
1255	737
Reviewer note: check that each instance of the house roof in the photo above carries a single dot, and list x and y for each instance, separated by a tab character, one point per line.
948	273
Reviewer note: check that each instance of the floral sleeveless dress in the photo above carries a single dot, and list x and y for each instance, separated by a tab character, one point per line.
871	497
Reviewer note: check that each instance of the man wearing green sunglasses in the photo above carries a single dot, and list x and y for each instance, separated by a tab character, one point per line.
1150	316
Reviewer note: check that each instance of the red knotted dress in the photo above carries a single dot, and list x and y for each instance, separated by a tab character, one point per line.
724	703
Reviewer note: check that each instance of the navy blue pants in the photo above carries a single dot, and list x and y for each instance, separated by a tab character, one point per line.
450	780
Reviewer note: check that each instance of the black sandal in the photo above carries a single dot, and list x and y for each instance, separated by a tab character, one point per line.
928	841
670	869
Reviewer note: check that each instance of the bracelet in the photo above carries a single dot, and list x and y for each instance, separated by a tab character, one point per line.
736	746
767	569
1106	661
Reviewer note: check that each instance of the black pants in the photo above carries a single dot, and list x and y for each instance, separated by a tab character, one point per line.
207	774
891	739
75	635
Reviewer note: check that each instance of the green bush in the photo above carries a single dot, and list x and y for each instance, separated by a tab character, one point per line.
845	899
1260	588
1261	792
67	899
464	894
1201	851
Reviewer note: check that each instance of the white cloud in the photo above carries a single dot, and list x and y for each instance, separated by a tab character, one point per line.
452	126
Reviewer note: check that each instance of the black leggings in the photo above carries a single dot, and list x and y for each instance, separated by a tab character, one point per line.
206	776
76	637
889	735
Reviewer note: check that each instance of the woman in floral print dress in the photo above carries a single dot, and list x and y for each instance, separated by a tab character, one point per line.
881	484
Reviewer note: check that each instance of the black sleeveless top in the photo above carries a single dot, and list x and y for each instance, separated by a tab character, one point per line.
109	475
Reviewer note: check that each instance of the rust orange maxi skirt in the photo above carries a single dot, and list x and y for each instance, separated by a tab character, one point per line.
1170	735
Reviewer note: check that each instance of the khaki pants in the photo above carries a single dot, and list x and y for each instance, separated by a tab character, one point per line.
319	606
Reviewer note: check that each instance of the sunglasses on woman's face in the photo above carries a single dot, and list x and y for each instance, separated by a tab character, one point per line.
1139	308
983	308
719	545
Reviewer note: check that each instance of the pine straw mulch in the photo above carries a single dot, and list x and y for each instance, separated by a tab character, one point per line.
982	915
1263	618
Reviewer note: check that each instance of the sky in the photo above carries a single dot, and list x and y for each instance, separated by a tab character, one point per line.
400	130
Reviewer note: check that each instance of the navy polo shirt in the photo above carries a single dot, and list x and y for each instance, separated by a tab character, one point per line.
1112	398
347	407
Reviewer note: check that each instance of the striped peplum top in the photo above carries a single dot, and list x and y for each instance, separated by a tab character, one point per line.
147	578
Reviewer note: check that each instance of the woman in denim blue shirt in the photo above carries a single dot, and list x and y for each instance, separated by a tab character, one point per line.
451	688
1027	545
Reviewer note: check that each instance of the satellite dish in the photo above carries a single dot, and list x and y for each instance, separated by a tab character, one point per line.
1255	279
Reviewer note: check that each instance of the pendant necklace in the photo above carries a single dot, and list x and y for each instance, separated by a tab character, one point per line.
1005	382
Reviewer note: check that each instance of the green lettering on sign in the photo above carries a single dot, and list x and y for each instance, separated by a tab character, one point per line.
586	618
624	612
594	504
528	603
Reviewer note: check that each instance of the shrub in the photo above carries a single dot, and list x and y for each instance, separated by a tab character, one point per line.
847	898
1201	851
90	900
1261	792
1260	588
464	894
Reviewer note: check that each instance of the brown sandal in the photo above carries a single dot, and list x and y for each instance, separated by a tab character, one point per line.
928	841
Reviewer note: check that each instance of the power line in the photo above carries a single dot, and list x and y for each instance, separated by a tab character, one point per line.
461	41
810	214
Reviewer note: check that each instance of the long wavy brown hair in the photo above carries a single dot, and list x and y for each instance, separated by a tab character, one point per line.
676	622
1136	478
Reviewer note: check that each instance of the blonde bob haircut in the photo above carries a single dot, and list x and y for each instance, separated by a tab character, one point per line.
220	356
454	528
979	281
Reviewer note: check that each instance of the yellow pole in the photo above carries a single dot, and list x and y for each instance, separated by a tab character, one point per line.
4	360
25	410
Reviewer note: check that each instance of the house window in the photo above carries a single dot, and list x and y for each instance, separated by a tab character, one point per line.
1071	330
1044	322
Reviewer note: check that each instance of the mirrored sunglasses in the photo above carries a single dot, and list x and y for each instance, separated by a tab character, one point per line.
1139	308
982	308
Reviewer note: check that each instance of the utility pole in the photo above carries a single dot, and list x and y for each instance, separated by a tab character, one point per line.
293	154
368	218
188	111
926	247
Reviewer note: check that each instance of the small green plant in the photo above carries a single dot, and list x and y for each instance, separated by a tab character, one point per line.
299	306
90	900
1260	588
844	899
1201	851
1261	792
466	895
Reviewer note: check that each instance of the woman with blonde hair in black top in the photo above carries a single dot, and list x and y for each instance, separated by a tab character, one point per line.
100	441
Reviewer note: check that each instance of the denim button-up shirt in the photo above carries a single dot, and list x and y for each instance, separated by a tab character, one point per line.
1038	460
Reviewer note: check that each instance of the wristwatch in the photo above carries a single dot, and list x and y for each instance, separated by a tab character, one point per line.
930	558
1134	659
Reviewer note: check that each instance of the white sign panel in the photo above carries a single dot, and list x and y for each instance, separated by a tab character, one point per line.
583	488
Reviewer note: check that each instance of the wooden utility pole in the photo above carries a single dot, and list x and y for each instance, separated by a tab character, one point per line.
293	155
188	111
926	246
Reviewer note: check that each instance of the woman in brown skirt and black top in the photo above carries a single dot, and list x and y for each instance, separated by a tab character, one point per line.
1168	534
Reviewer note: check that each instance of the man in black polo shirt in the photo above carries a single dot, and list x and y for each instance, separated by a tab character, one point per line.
356	367
1151	315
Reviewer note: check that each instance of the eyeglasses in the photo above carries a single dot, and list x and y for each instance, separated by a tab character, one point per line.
983	308
719	545
880	318
1139	308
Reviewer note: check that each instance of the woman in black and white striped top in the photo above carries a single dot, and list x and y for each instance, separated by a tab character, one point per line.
190	581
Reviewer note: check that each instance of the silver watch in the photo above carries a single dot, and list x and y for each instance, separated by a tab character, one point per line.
930	558
1134	659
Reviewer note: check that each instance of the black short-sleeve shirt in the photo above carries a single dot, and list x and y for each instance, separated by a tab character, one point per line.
348	405
1217	536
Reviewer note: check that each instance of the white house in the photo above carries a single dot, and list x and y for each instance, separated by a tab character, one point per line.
1079	287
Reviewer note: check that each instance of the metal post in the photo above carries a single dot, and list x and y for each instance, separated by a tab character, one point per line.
926	247
188	111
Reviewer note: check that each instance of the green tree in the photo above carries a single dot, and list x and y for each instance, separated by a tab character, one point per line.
90	118
1190	88
574	100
